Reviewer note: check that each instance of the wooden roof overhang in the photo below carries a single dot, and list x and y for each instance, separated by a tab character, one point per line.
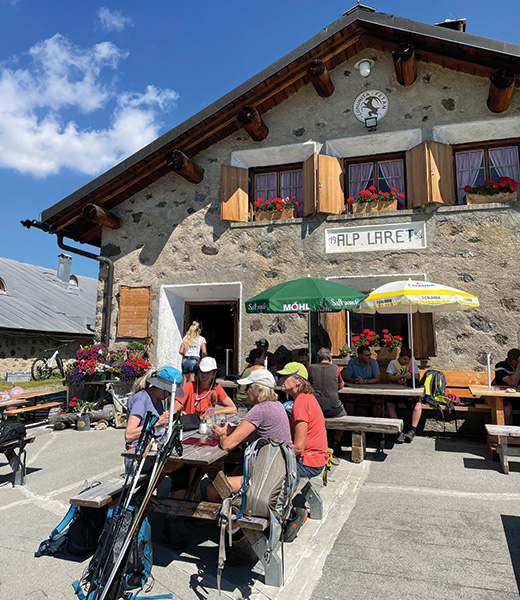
353	32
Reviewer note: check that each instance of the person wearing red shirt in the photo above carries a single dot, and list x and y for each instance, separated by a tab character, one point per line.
204	393
308	433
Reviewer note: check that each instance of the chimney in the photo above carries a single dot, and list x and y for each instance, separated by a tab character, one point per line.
455	24
63	271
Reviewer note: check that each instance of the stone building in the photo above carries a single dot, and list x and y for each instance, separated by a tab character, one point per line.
178	224
42	309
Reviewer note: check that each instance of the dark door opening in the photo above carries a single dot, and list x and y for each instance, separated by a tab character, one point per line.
219	327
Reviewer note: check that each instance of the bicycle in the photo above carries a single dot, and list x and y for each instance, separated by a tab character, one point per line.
42	368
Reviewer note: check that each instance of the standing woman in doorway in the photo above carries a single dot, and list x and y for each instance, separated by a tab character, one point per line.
192	349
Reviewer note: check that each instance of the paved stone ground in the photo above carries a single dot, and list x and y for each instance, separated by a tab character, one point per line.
434	519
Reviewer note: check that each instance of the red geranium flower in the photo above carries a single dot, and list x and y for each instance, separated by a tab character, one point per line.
278	207
393	190
372	188
467	188
374	196
350	199
297	204
401	195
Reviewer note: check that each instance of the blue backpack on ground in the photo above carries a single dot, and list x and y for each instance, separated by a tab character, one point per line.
137	569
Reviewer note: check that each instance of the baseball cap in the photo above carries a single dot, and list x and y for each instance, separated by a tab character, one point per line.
294	368
208	363
262	342
165	379
260	376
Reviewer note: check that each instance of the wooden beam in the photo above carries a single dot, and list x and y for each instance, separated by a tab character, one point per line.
181	164
101	216
320	78
404	63
501	87
250	119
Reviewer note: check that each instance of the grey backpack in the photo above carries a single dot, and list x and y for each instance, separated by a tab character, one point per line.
270	476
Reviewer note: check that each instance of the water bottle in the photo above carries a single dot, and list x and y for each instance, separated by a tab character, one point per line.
178	425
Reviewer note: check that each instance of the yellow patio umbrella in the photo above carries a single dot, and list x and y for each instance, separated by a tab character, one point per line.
415	296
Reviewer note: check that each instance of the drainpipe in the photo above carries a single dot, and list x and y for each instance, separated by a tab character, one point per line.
109	286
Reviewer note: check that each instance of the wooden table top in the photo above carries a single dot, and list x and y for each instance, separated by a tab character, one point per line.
197	456
7	403
493	392
27	395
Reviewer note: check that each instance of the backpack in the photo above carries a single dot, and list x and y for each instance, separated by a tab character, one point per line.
134	572
77	533
11	431
434	382
270	476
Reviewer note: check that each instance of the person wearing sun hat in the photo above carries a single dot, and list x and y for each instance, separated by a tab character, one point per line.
151	391
266	419
308	433
204	393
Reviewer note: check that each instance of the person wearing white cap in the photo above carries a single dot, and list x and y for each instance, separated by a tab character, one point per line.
204	393
266	419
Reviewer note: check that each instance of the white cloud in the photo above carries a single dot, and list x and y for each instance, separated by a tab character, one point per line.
112	20
60	78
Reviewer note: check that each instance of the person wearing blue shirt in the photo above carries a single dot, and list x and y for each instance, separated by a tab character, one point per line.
362	371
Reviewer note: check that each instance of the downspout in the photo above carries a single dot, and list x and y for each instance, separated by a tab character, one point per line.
106	313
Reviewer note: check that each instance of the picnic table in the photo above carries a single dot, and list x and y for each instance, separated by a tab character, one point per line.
494	397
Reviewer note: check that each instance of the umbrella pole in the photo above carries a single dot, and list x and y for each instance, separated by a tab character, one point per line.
410	325
310	327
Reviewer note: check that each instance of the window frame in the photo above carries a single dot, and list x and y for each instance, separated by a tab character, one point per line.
486	147
375	159
278	169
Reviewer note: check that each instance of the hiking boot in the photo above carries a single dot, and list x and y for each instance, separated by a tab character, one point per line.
336	448
408	437
294	525
401	438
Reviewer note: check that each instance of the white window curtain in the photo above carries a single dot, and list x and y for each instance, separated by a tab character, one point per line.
505	162
469	166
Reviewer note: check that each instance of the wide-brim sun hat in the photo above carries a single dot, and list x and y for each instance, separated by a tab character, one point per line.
208	363
166	379
295	368
259	376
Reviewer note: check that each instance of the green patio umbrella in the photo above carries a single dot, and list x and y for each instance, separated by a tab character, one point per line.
305	295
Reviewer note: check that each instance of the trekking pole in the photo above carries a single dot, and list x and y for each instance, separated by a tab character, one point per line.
163	458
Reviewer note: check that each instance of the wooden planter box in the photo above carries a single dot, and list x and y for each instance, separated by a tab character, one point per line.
377	206
384	353
481	199
274	215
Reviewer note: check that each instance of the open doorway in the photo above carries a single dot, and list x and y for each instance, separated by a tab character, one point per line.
220	328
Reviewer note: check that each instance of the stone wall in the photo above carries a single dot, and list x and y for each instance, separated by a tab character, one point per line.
172	234
17	352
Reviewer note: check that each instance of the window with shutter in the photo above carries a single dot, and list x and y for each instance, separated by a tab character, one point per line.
430	174
272	184
134	312
331	189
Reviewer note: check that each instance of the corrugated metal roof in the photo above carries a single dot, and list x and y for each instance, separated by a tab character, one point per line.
34	300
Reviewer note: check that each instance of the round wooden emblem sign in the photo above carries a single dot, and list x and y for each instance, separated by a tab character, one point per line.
371	103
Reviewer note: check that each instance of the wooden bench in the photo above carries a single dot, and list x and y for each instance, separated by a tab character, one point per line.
105	493
16	454
504	432
359	426
17	412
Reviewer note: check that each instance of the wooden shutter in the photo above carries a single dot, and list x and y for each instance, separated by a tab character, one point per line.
331	185
430	174
333	330
134	311
424	343
234	194
309	185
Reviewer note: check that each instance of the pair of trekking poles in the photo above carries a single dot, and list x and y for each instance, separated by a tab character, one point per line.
103	579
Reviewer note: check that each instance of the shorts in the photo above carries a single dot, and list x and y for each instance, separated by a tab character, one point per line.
190	365
306	471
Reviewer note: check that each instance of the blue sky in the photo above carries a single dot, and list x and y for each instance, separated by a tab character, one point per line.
85	84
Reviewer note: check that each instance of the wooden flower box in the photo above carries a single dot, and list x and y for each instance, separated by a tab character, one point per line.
385	353
376	206
482	199
274	215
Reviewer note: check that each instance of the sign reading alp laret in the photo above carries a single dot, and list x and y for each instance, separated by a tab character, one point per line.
403	236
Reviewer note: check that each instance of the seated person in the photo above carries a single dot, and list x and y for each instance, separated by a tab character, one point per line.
507	374
204	393
327	381
263	344
362	370
266	419
308	434
303	357
255	361
401	371
151	391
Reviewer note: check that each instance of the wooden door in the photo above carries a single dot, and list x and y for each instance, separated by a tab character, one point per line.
424	342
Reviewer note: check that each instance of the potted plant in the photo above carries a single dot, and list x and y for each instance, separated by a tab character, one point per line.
133	368
372	200
504	189
277	208
136	349
389	346
345	351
